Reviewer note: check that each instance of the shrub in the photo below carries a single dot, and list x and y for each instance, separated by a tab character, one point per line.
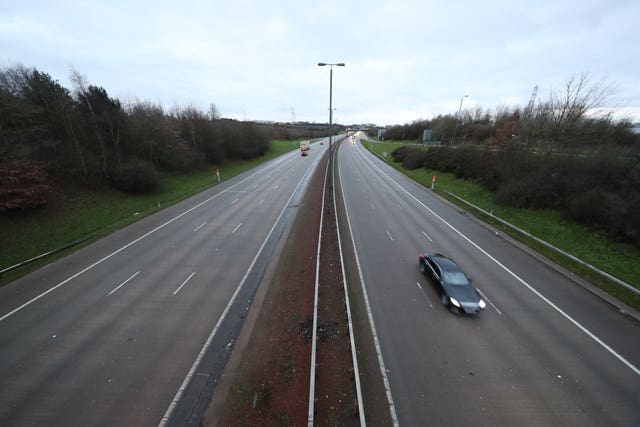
415	158
512	193
593	207
440	159
138	177
601	209
22	185
410	157
243	140
471	163
179	156
399	153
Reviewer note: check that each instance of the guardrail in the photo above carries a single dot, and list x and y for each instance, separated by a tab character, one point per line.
46	254
549	245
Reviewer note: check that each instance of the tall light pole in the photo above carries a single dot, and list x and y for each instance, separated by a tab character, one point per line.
455	130
460	107
323	64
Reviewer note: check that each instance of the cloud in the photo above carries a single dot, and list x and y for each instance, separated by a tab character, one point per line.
405	59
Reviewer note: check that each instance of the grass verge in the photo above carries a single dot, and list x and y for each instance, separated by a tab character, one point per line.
78	214
618	259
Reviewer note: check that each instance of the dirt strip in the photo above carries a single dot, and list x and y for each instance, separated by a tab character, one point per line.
271	383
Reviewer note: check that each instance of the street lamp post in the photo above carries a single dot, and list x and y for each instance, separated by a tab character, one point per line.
455	130
323	64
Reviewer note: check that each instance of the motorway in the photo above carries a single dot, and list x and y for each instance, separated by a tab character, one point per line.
543	352
110	334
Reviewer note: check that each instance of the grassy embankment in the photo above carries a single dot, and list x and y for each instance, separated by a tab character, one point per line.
81	214
619	260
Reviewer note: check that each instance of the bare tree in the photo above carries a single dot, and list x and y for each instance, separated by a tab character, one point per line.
82	92
214	114
564	110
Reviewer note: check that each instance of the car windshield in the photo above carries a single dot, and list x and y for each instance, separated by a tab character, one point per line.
455	278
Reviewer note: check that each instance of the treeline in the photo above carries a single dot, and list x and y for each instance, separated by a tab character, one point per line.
49	133
562	153
600	190
570	120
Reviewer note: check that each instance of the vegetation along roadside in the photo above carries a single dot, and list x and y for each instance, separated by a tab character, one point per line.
76	213
77	163
592	246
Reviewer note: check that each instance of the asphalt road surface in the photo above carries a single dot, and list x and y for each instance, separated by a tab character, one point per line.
544	351
107	335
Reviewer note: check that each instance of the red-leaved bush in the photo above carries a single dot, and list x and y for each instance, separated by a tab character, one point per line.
22	185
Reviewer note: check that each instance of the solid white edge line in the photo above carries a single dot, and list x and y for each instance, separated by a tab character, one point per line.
124	283
184	283
515	276
196	363
354	353
312	373
100	261
383	369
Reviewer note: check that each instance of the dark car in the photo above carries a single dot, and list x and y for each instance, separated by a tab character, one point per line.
454	286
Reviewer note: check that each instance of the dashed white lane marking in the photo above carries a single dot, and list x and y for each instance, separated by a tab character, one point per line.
124	283
235	201
425	295
184	283
200	226
260	202
236	229
389	234
427	236
159	227
196	364
577	324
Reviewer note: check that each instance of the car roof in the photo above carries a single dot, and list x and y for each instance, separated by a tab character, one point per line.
445	263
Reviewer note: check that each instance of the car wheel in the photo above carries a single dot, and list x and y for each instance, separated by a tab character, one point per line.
445	300
423	269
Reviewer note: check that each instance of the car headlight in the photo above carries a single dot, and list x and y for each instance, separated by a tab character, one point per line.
482	304
454	302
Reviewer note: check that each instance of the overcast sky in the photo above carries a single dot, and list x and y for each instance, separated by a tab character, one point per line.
257	60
